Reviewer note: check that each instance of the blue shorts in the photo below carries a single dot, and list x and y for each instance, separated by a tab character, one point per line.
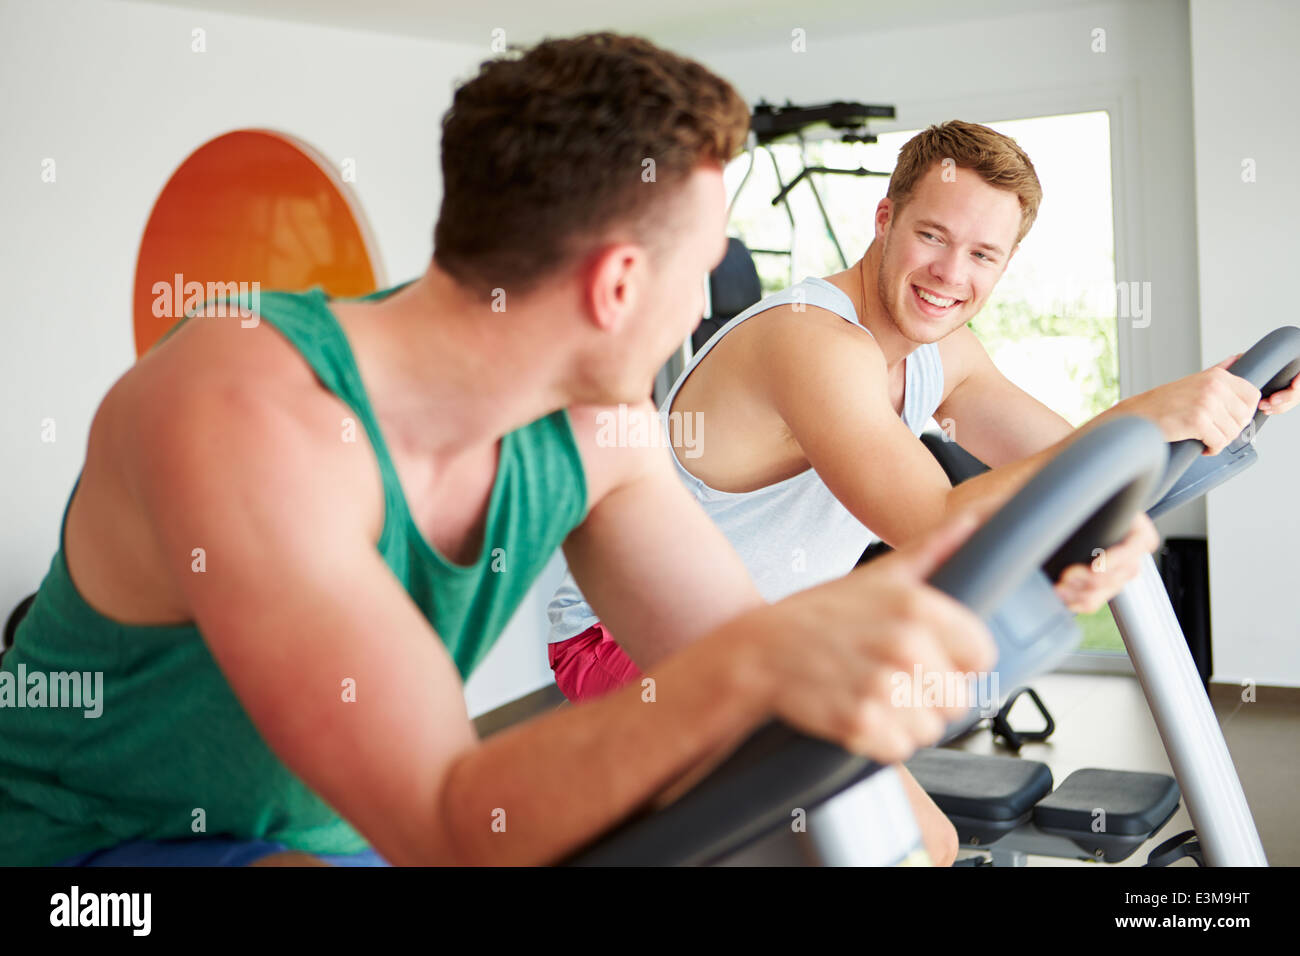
214	851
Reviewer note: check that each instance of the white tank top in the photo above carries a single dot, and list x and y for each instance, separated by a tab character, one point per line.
793	534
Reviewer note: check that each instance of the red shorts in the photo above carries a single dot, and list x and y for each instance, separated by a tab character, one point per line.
590	664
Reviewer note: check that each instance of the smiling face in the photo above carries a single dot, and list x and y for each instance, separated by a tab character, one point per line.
943	251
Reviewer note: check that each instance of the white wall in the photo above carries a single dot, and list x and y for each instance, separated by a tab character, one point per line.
1245	78
112	92
1032	65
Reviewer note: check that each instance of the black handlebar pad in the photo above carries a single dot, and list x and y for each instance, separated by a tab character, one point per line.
1108	472
1102	530
1087	495
1270	365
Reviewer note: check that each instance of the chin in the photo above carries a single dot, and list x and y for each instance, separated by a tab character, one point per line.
920	331
931	333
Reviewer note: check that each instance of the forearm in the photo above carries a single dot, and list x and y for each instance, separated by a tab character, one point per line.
650	640
656	571
995	487
534	793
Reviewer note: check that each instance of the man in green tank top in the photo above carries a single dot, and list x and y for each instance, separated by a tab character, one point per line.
294	537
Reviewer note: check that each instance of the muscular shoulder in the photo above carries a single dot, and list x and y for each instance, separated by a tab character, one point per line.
782	348
804	350
219	407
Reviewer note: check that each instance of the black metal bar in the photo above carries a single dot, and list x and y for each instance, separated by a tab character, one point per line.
771	122
860	171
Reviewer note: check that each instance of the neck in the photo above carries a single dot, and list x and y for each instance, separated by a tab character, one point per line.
446	374
872	312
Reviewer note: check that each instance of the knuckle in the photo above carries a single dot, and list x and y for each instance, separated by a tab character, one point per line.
849	723
908	643
894	747
877	683
931	728
912	606
869	719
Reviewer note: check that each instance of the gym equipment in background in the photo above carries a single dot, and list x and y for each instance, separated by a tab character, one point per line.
734	285
770	124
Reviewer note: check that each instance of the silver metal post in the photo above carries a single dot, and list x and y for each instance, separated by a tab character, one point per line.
869	824
1186	721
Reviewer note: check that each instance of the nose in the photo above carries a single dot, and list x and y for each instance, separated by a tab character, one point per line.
948	269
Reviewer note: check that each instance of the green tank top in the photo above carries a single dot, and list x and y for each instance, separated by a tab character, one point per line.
172	754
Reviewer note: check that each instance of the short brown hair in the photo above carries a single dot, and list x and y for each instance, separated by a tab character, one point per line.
543	153
996	158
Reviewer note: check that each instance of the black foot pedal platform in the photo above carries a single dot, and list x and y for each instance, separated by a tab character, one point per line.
1108	813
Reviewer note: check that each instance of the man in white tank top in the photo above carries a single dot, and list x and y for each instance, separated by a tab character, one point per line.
807	408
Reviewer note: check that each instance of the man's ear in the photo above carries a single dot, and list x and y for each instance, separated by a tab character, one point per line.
614	282
884	216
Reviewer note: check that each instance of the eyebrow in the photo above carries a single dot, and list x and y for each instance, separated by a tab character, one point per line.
939	227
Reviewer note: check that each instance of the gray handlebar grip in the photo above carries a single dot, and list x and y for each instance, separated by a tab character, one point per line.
1106	473
1272	362
1270	365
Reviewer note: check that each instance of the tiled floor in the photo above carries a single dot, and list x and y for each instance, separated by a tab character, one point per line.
1103	721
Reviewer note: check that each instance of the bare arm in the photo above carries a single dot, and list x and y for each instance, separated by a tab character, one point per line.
996	421
656	571
1015	434
295	600
828	382
992	418
1212	406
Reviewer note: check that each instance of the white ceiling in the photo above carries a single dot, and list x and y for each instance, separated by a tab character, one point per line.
689	23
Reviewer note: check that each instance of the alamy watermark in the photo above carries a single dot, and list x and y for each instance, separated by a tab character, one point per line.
215	300
636	428
81	690
75	908
973	689
1130	300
